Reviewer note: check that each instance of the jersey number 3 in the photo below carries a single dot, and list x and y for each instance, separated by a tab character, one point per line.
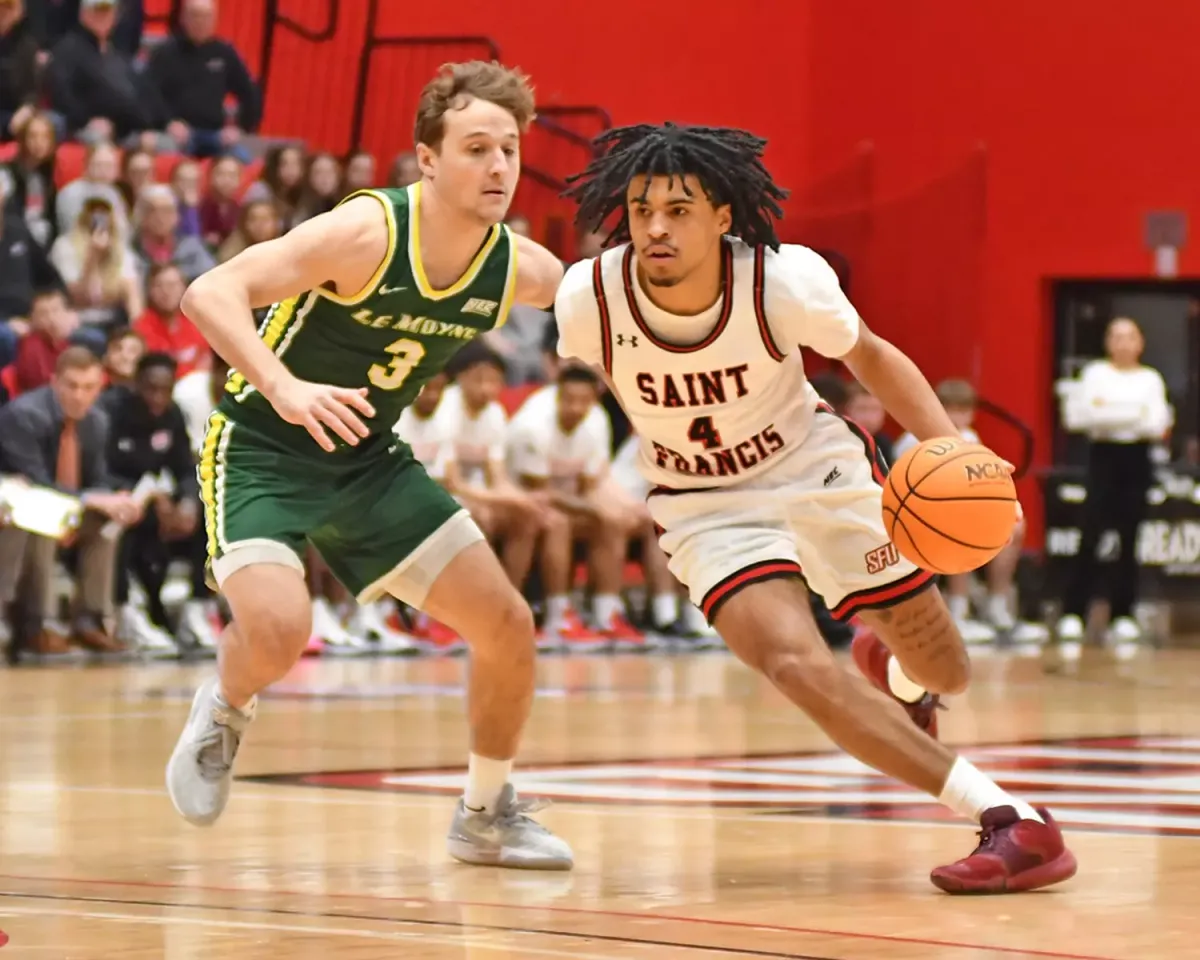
704	431
406	354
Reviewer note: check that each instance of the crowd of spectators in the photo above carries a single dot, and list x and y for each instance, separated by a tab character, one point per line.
127	169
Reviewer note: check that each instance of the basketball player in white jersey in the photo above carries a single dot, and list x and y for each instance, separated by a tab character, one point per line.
761	491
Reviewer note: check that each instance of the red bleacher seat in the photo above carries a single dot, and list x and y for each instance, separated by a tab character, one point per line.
8	380
511	398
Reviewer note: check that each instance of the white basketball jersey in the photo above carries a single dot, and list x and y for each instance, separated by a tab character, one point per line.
733	402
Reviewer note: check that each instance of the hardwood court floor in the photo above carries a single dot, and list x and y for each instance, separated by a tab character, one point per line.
709	819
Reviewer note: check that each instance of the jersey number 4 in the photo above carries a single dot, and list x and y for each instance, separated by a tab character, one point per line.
704	431
406	354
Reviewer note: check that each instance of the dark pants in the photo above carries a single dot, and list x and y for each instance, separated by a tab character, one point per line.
1119	475
144	554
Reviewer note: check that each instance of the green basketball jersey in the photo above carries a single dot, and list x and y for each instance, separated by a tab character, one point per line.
395	335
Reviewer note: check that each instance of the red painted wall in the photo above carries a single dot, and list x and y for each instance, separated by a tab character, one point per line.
959	154
1012	144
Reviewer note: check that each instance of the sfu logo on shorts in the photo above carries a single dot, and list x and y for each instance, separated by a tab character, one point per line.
881	558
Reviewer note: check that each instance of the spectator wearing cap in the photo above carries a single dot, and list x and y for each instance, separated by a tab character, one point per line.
163	326
158	239
195	72
95	87
56	437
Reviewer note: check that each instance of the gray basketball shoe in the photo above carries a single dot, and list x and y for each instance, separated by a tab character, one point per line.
508	837
200	771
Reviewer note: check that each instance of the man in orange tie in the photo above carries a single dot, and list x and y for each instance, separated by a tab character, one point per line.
55	438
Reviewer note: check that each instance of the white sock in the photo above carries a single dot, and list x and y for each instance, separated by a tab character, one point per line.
969	792
485	780
960	607
606	606
556	609
901	685
666	609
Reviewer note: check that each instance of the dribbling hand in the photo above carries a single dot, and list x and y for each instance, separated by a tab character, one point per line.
319	407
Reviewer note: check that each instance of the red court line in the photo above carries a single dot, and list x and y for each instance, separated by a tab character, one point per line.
575	911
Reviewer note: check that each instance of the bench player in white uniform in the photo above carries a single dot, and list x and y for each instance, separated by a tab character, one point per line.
759	488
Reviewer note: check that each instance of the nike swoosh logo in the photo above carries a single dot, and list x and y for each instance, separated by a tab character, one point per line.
385	290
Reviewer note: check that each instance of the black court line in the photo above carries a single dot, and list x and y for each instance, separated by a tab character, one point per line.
445	924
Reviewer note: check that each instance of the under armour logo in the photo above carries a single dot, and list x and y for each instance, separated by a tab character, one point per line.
621	338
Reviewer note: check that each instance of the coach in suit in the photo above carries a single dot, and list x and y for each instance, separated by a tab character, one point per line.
55	437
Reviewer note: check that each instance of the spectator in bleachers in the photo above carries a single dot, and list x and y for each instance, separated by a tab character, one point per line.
865	409
198	393
958	397
20	70
281	182
56	437
831	388
359	172
406	170
99	180
219	208
124	349
148	436
185	181
24	268
95	87
322	185
421	429
519	342
51	324
259	222
98	268
475	426
137	173
195	72
164	328
590	245
158	241
56	18
27	180
558	450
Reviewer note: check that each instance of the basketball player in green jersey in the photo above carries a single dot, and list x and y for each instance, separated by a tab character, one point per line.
368	302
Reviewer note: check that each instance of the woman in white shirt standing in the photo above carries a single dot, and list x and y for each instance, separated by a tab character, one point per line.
1122	406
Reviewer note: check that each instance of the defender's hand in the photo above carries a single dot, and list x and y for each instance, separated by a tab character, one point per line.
317	406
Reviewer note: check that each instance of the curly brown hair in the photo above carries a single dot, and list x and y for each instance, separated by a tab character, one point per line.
457	84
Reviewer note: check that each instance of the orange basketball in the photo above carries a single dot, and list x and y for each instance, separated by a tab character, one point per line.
949	506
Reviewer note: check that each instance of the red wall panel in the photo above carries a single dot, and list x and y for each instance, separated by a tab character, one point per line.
1073	109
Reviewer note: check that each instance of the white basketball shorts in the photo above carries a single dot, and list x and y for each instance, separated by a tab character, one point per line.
817	514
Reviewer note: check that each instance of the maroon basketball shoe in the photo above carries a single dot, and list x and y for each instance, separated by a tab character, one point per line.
1013	856
871	657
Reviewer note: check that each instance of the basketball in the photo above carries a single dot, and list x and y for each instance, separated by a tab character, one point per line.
949	505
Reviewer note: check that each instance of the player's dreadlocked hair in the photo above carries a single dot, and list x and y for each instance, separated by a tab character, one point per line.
727	162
